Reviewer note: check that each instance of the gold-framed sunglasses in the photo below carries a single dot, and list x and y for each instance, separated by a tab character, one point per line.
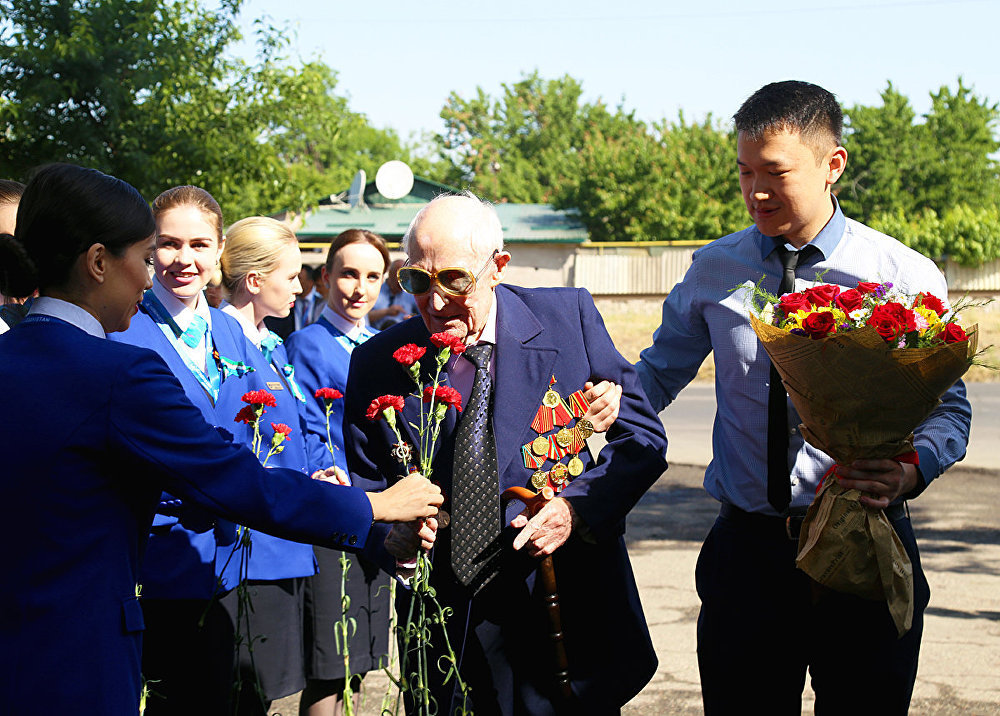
456	281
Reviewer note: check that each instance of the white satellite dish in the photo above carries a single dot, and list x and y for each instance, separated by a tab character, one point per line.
356	194
394	179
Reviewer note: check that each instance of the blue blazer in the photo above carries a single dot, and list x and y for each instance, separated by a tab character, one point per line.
181	558
321	362
110	429
540	333
271	557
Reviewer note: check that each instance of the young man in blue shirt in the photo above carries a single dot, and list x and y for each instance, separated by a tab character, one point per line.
762	622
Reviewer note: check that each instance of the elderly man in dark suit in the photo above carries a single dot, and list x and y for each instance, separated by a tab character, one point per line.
485	562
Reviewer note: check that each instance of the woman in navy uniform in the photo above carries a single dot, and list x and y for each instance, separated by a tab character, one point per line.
190	639
260	275
110	429
321	353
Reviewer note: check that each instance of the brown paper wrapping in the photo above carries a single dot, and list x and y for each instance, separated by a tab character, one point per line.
860	398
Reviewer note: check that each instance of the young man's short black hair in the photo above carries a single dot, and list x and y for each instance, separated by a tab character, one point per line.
791	106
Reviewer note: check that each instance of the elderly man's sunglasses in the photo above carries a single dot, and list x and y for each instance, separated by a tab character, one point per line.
456	281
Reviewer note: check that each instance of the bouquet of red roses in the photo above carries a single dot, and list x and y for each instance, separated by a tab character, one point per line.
863	367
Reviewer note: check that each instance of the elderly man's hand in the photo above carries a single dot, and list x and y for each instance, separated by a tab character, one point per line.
605	398
880	481
546	531
406	538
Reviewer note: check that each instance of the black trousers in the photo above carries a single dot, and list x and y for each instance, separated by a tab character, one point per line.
763	623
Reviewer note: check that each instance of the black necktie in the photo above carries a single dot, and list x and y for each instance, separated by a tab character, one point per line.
475	543
779	490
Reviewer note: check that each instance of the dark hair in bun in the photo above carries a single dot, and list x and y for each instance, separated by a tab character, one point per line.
65	210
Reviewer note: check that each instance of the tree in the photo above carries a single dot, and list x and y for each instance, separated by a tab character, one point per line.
144	90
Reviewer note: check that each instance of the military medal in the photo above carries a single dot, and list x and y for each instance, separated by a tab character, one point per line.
402	452
578	404
555	412
443	518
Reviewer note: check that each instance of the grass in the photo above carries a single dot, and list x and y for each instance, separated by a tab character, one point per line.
632	321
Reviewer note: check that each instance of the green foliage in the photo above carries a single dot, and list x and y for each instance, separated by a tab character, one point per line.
144	90
540	143
967	235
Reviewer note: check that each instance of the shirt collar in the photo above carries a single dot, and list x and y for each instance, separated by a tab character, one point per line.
489	334
69	312
181	314
253	334
825	241
349	328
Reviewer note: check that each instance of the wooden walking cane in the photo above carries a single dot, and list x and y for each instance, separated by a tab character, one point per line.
534	502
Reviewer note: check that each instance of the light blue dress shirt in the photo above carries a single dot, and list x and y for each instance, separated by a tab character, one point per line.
702	314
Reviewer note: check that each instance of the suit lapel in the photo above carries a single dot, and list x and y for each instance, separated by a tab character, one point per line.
524	362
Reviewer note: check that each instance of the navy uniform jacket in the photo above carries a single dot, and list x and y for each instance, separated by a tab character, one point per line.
321	362
540	333
180	560
272	558
95	432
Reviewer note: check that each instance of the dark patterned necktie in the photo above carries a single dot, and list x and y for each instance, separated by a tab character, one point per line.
475	541
779	489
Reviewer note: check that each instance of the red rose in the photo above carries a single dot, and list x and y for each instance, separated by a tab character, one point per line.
246	415
259	397
382	402
447	340
822	295
444	395
868	286
792	302
819	323
954	333
890	320
409	354
850	300
929	300
281	429
328	394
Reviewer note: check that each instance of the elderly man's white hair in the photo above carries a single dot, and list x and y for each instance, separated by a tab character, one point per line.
485	233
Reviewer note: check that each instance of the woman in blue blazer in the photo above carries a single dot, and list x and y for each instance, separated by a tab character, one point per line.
321	353
110	430
260	275
190	638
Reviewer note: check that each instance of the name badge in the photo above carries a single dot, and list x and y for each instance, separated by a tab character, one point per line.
274	385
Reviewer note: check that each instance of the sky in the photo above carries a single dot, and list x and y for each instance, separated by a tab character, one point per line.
397	62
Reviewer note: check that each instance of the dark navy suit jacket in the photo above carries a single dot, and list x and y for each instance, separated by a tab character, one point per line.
540	333
93	432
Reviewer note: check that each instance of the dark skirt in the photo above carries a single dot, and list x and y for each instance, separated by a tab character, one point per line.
368	589
273	629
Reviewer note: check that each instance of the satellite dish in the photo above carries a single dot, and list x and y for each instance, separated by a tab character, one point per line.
394	179
356	194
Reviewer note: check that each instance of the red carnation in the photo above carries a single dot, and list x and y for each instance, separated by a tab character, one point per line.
890	320
281	429
849	300
409	354
929	300
954	333
868	286
328	394
818	324
822	295
246	415
259	397
382	402
444	395
793	302
447	340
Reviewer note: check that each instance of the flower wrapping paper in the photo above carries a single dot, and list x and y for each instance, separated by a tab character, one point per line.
858	397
